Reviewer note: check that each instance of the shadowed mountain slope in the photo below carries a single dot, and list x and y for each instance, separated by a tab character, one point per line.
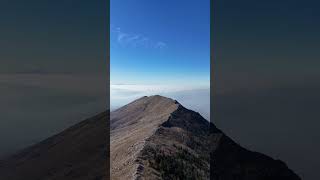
78	153
157	138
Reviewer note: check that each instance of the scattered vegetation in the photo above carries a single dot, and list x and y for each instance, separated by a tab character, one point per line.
181	165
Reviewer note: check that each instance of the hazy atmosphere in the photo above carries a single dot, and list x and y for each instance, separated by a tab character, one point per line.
267	78
53	68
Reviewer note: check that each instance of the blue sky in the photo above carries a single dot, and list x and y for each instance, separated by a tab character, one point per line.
160	42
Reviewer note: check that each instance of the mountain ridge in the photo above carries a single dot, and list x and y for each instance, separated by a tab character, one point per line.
140	119
184	137
150	138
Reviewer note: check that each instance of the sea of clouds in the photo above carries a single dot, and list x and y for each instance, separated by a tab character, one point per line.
194	98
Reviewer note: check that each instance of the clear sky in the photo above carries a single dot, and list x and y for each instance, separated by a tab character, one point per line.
160	42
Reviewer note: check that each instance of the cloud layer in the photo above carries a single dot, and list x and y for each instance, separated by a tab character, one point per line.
125	39
197	99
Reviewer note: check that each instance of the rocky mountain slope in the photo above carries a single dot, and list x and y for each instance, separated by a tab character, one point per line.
157	138
151	138
78	153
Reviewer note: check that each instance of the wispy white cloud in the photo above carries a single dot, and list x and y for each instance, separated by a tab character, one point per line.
161	45
135	40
